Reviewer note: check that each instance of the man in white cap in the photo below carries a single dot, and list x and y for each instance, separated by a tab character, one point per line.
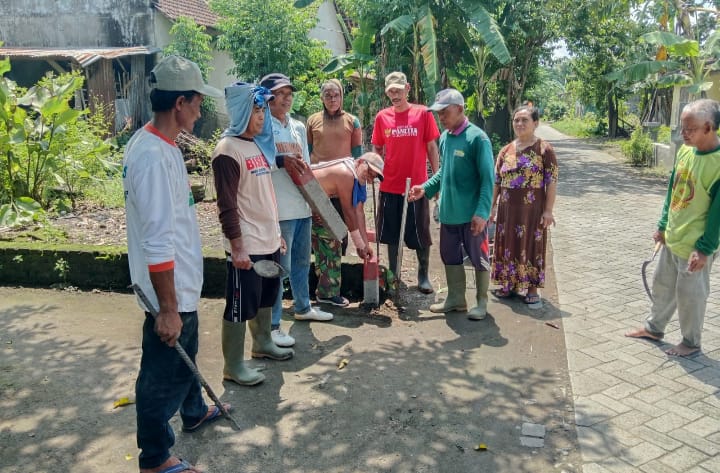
465	183
405	135
166	262
346	179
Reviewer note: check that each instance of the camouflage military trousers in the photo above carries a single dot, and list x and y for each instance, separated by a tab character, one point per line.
328	260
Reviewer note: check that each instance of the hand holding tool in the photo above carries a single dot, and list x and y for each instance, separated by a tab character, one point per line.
183	354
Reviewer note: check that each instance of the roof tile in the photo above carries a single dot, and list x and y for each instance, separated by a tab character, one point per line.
198	10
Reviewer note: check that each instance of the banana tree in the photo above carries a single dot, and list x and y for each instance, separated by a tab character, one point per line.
472	20
691	66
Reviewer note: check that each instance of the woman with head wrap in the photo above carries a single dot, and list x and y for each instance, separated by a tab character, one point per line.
332	134
248	215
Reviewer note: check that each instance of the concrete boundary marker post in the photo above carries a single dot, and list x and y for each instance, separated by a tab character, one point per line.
371	273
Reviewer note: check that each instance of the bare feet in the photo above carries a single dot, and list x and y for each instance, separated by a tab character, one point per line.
168	464
681	350
642	333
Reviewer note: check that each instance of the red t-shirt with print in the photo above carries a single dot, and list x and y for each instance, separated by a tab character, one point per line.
405	136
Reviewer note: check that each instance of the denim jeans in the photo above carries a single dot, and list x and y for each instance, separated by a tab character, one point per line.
297	262
164	385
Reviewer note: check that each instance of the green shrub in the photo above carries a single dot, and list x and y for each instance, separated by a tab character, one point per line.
107	193
555	111
638	149
581	127
49	152
664	134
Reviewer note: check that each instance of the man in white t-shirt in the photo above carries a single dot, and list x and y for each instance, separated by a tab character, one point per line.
166	263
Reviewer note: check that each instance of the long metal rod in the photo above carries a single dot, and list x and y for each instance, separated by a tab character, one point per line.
401	239
375	223
183	354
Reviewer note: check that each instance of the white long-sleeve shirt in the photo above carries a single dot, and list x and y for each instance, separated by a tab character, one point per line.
162	229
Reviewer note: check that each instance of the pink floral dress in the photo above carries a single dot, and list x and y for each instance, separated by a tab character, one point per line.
519	256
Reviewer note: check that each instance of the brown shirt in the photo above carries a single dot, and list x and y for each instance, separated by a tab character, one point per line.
332	138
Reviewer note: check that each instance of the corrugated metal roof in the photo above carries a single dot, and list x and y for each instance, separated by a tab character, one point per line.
83	56
198	10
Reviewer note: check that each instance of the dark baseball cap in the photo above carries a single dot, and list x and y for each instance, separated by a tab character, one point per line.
275	81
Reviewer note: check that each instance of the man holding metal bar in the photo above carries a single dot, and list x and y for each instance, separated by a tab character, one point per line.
166	262
405	135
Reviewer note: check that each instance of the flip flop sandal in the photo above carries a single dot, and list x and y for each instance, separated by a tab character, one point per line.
182	466
532	299
214	415
502	294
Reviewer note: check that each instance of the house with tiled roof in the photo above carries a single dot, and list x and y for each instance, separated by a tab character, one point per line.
168	11
115	43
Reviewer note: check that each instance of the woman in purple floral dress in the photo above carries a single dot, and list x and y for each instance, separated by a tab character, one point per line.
526	176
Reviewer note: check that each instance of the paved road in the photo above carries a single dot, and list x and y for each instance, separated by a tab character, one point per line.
421	390
637	410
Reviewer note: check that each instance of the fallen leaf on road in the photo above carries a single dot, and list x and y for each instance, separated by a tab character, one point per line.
123	401
551	324
128	457
343	363
480	447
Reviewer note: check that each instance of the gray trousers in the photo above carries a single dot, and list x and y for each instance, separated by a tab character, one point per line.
673	288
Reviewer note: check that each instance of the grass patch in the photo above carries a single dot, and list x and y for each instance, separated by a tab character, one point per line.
577	127
107	194
44	246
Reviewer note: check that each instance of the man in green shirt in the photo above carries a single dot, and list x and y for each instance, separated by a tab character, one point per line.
465	182
689	228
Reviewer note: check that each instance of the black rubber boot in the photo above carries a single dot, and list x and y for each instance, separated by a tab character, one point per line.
423	256
392	259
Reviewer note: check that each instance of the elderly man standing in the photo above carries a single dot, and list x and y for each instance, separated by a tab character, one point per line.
405	134
166	262
689	227
465	182
295	214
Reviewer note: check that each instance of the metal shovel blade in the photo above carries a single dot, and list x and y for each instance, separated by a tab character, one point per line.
269	269
643	270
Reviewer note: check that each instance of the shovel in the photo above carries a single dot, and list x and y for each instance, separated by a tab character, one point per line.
643	271
269	269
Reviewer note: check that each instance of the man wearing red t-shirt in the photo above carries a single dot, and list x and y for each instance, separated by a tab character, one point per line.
405	134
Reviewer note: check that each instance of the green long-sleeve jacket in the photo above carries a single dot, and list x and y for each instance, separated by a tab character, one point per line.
466	176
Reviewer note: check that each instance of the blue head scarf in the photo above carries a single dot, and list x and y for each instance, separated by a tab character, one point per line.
240	98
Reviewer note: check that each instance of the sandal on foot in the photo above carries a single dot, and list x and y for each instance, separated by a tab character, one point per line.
178	467
532	299
503	294
215	414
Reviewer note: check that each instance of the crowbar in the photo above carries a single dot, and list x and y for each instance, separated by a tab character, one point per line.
183	354
401	241
643	271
